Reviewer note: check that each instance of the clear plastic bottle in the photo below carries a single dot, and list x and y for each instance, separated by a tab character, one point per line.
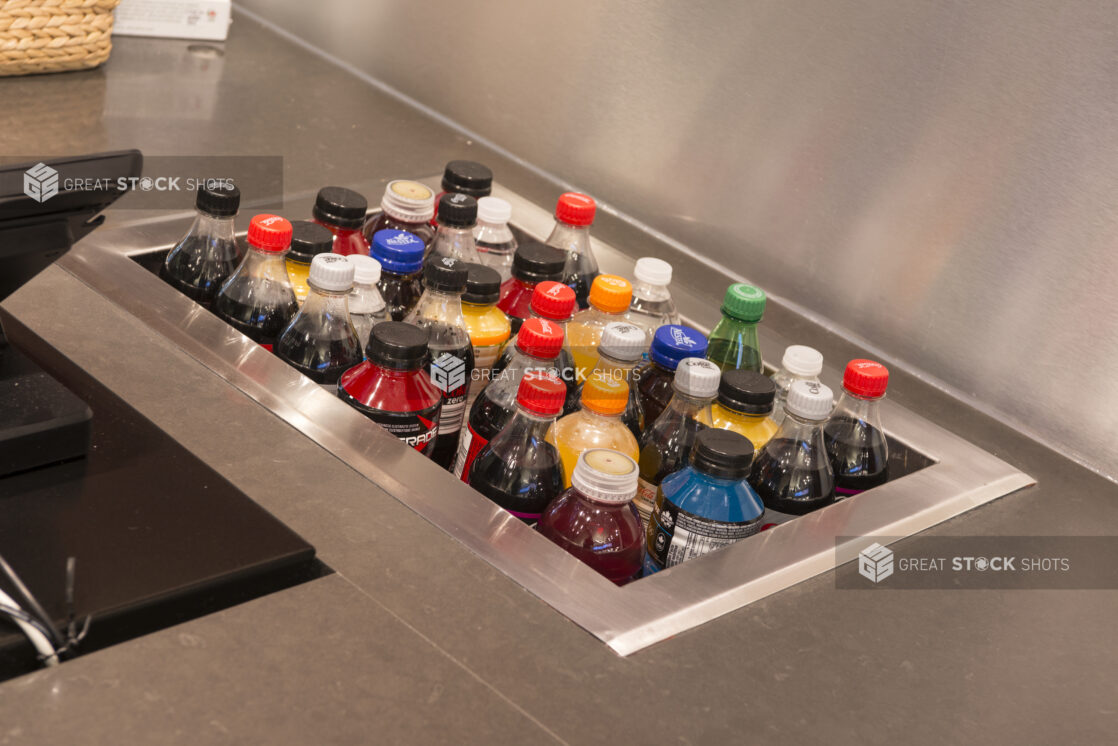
205	257
496	244
652	306
401	270
618	354
532	264
597	425
609	301
406	206
307	241
744	405
320	342
366	305
595	519
466	177
654	378
800	363
854	437
574	214
342	212
257	299
455	237
733	341
488	326
793	473
451	354
666	445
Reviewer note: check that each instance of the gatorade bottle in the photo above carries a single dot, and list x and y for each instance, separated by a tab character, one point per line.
652	306
536	348
401	270
670	344
666	445
307	241
532	264
609	300
618	354
595	519
574	213
320	342
518	469
257	300
405	206
495	241
392	387
342	212
733	341
597	425
451	354
366	304
208	253
455	237
705	506
489	328
853	436
745	405
800	363
792	473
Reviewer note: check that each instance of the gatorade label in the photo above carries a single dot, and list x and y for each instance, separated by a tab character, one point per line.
645	500
678	535
469	446
416	429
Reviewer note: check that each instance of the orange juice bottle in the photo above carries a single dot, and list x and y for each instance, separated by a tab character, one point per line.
610	296
597	425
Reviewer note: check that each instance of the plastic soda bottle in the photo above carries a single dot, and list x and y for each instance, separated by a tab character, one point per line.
574	214
342	212
618	354
205	257
455	237
532	264
466	177
405	206
495	241
488	326
609	300
307	241
597	425
670	344
366	305
401	270
800	363
733	341
855	441
745	405
257	299
652	306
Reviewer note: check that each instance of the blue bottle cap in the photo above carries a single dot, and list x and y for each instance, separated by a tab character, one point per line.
398	251
673	342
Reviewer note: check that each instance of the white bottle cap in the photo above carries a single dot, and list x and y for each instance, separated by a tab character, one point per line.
810	400
697	377
653	271
624	342
801	360
331	272
605	475
493	210
366	270
409	201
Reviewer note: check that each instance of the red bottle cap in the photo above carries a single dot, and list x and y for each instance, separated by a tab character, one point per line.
540	338
269	233
865	378
542	393
575	209
553	300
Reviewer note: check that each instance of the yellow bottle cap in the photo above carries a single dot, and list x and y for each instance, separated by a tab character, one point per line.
605	395
611	293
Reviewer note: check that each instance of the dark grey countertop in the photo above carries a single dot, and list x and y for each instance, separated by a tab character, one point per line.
415	638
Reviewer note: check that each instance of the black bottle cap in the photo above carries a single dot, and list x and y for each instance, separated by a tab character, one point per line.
535	262
722	453
396	345
446	274
457	210
468	177
308	239
483	284
219	200
746	391
340	207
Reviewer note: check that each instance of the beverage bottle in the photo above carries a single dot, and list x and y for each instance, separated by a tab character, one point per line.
401	270
342	212
652	306
792	473
494	239
466	177
518	469
536	348
597	425
257	300
618	354
595	519
488	326
366	305
733	341
800	363
406	206
307	241
745	405
574	213
670	344
532	263
666	444
609	300
706	505
455	236
855	441
451	354
208	253
392	388
320	342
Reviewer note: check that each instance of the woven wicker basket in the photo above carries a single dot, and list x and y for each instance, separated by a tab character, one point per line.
49	36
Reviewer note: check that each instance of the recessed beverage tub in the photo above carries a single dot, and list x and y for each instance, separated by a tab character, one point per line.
935	474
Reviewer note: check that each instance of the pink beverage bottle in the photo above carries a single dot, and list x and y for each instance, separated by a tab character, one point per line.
342	212
257	300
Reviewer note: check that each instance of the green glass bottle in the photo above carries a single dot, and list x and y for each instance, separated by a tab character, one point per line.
733	342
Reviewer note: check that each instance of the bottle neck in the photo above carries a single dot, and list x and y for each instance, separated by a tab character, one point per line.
650	292
795	427
439	305
503	388
257	259
326	302
860	408
561	323
686	404
569	237
599	417
456	242
211	225
612	368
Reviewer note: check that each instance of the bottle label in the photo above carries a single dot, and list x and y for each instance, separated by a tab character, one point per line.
645	500
450	372
469	446
417	429
678	535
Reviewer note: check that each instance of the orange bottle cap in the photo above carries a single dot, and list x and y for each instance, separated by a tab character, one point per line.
611	293
605	395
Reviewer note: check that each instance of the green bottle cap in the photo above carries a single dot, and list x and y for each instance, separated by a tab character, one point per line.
744	302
